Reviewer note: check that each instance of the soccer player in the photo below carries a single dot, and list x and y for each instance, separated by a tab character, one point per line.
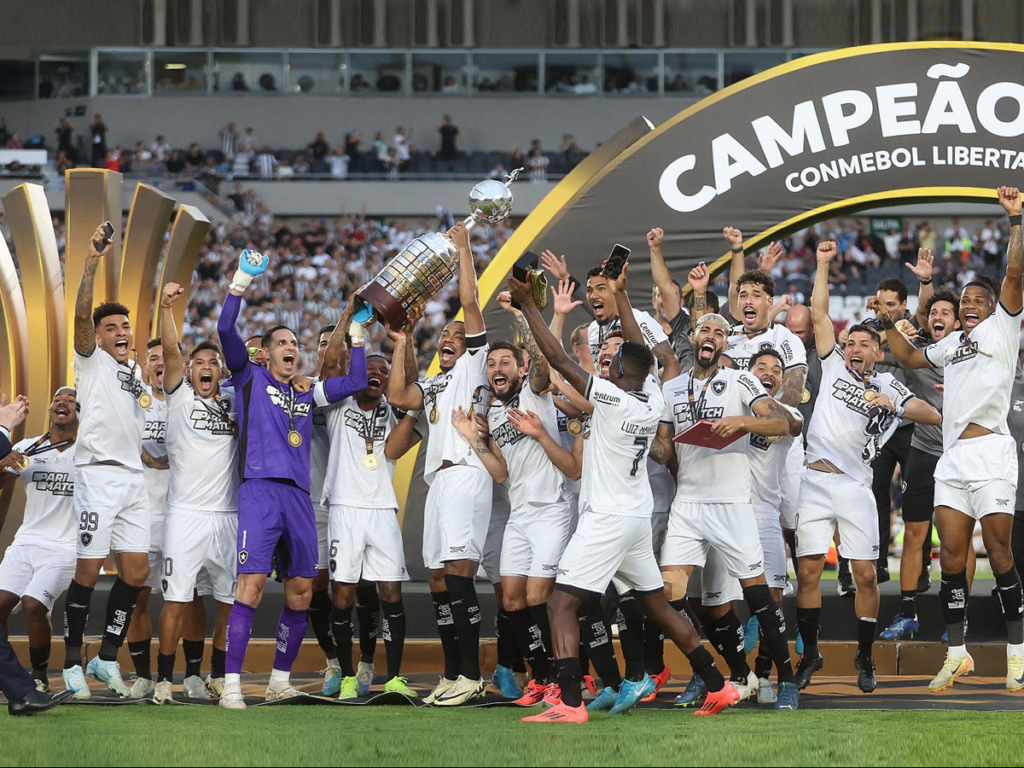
613	538
274	507
202	518
110	495
975	477
367	437
458	504
857	410
39	564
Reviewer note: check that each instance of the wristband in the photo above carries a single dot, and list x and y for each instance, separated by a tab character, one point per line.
357	331
738	250
240	280
1015	220
887	325
926	282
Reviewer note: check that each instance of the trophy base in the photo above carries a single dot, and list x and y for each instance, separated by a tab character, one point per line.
382	306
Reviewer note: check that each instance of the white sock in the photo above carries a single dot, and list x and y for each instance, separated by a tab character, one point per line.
957	651
279	679
1013	649
332	662
232	683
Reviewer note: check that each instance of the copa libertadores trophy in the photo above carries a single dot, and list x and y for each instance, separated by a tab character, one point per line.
429	262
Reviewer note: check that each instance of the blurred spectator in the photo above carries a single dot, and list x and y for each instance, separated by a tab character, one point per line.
907	246
497	172
175	163
352	140
927	237
451	85
338	162
516	158
571	151
486	86
113	161
14	142
266	163
5	134
246	142
160	150
98	128
238	82
401	142
194	158
65	137
228	136
538	165
892	244
358	84
300	166
238	198
382	152
451	140
319	147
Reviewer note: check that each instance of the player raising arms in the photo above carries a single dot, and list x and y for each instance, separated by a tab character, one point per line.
975	478
274	507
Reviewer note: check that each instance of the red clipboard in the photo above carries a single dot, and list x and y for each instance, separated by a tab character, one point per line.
700	434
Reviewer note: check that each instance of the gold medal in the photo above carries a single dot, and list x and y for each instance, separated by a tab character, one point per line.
371	462
805	397
294	439
145	400
574	427
774	438
433	415
22	463
870	395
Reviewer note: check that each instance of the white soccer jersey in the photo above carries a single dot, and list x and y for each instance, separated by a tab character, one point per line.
154	440
837	429
112	421
348	481
767	467
319	453
49	481
651	329
778	337
615	454
466	385
978	372
533	480
568	441
706	475
203	450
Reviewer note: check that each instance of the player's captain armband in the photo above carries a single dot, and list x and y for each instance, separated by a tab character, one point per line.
476	341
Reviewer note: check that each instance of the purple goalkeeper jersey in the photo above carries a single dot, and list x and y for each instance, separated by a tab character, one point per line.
268	408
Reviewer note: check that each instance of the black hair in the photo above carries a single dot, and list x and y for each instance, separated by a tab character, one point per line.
757	277
986	284
269	335
945	295
326	329
595	272
107	309
636	359
766	352
862	328
894	285
254	336
517	353
377	354
202	345
154	343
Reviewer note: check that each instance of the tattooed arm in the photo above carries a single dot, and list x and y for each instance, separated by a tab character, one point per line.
661	446
793	381
771	419
540	373
481	443
85	331
1012	293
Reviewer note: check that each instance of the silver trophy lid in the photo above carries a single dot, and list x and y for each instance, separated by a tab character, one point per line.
491	200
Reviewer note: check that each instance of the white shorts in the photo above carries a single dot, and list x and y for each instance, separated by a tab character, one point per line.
978	476
112	508
535	540
365	543
769	531
456	515
37	571
792	475
728	528
828	500
322	534
200	554
490	563
712	584
157	523
606	546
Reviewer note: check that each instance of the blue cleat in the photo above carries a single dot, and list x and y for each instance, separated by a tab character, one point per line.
788	697
630	693
751	636
694	694
505	681
108	672
903	627
332	682
605	700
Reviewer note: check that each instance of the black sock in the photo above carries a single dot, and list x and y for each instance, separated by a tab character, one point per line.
76	615
790	538
1011	598
466	614
595	635
682	605
807	621
449	635
703	665
865	637
631	637
194	652
320	620
505	634
953	596
393	630
140	651
584	658
773	627
570	677
543	623
120	607
763	661
165	667
368	616
39	658
726	635
218	661
341	628
654	648
908	602
529	639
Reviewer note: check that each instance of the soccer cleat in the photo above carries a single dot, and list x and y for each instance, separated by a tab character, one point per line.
589	684
660	680
924	581
74	680
552	695
719	700
866	680
533	695
630	693
563	713
504	680
349	689
751	637
765	694
332	681
232	700
400	685
364	674
805	669
143	688
109	672
846	586
443	684
1014	672
460	692
42	686
789	696
694	693
952	668
163	692
605	700
748	687
903	627
194	688
215	685
288	691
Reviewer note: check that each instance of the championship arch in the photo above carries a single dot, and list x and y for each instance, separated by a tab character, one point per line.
819	137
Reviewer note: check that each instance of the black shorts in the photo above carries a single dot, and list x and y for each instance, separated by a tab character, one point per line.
919	494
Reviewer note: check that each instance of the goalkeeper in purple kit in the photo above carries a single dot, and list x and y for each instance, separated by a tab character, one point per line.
275	513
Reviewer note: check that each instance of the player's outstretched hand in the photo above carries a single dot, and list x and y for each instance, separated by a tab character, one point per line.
556	265
562	298
699	278
465	423
876	305
97	237
907	328
925	262
656	237
505	300
460	236
618	285
171	293
826	251
733	236
12	460
13	413
521	292
771	256
253	263
1009	198
527	422
877	398
728	426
